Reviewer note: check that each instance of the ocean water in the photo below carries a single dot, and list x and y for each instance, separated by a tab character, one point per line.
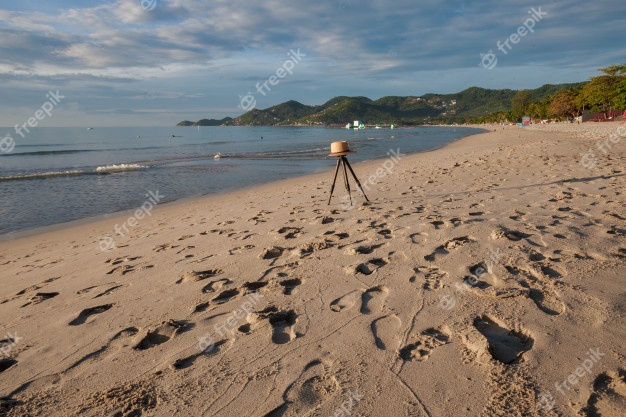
55	175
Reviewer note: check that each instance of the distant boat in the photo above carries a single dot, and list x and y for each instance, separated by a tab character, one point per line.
90	128
377	127
392	126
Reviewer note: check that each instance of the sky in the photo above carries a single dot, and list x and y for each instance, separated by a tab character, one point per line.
157	62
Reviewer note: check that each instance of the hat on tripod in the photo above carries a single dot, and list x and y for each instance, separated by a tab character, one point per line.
339	148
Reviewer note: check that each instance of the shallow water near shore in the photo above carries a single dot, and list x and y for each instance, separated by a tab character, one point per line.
56	175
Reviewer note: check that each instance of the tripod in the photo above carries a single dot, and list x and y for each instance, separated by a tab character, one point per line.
343	161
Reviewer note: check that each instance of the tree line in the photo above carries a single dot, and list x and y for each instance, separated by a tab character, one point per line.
601	94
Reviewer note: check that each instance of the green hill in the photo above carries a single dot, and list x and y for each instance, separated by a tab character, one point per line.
206	122
409	110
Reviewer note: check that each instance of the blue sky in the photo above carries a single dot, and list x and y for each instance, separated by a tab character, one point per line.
156	62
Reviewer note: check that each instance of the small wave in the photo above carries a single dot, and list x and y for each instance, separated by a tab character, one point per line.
103	170
43	153
120	167
40	175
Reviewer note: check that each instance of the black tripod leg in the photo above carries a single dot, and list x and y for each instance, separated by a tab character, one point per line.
356	179
332	188
346	183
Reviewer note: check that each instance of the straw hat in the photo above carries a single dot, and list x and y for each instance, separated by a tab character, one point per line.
339	148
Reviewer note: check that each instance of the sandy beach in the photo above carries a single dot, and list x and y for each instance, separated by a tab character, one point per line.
485	278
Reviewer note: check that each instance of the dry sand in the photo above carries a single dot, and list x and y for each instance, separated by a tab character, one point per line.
485	278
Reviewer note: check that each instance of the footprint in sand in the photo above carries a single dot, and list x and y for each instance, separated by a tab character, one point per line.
282	322
363	250
368	267
505	345
271	252
373	299
31	289
251	287
215	285
312	247
289	285
109	291
195	276
88	312
240	249
332	236
226	296
6	363
40	297
346	301
432	275
539	291
290	232
426	342
117	261
117	342
386	332
546	301
315	386
161	334
213	349
609	395
447	246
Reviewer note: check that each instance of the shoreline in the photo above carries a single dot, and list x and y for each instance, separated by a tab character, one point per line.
463	285
10	236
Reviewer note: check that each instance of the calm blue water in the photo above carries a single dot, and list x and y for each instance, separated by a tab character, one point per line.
56	175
